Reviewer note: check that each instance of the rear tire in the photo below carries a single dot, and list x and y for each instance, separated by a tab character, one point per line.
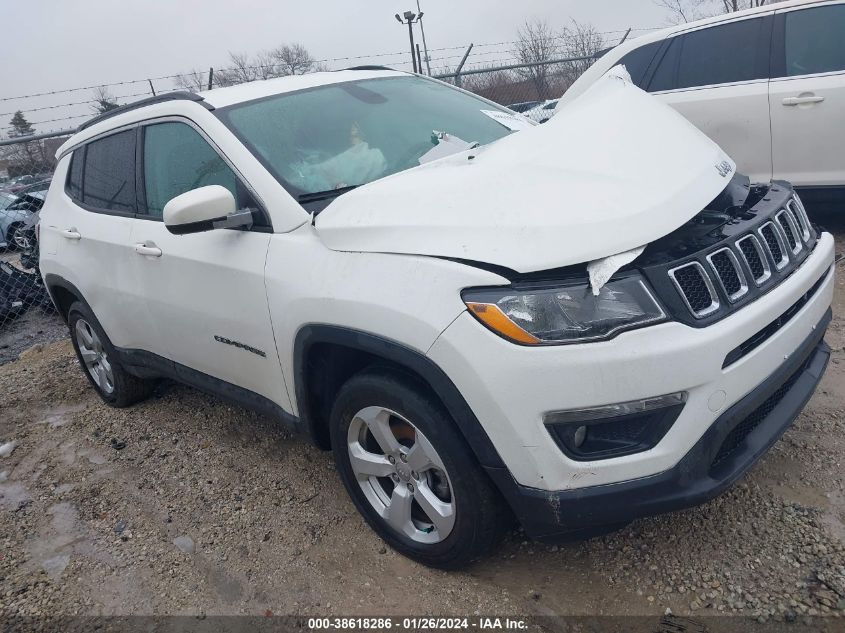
98	359
410	472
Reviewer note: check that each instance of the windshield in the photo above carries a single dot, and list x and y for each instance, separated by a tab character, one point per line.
344	135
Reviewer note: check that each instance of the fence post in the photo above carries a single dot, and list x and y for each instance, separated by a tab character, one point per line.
153	90
461	65
210	78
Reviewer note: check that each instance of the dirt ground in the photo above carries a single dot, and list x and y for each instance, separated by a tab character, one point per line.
187	505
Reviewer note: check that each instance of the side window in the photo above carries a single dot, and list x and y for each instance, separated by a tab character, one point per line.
721	54
664	75
108	181
74	176
178	159
814	40
638	60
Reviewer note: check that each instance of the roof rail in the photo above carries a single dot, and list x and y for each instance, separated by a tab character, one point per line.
366	68
179	95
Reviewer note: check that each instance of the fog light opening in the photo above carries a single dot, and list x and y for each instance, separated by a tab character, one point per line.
579	437
614	430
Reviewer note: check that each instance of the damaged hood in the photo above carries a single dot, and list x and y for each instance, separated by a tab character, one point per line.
613	171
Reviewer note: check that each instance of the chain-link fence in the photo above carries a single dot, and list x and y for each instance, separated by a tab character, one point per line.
27	316
530	89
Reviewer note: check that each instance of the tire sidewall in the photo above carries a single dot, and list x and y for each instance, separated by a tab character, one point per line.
80	311
426	413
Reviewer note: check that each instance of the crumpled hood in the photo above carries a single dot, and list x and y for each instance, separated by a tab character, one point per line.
614	170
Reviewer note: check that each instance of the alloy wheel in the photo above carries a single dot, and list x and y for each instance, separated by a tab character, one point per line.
401	475
94	356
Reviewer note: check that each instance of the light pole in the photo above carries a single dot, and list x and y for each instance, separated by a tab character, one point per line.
410	18
425	45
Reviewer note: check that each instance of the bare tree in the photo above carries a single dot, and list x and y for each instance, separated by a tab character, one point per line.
690	10
104	101
241	69
294	59
536	42
731	6
193	81
580	42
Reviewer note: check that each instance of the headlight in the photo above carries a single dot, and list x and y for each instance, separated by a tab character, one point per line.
565	313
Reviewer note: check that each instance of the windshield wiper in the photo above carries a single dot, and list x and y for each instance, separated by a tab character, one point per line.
316	196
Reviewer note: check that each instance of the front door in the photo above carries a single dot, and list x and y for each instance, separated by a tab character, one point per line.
206	296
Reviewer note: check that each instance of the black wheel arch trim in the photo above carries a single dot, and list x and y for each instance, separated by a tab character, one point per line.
52	281
399	354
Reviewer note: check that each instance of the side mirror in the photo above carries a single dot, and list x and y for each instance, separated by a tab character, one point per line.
204	209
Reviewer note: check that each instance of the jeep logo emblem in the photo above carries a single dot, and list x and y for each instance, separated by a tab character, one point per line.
724	168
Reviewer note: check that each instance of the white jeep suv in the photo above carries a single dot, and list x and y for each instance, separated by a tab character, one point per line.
577	324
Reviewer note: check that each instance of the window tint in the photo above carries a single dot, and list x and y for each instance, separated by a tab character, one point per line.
664	76
74	177
815	40
720	54
109	178
178	159
638	60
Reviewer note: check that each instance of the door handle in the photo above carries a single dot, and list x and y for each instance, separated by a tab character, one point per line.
148	250
71	234
794	101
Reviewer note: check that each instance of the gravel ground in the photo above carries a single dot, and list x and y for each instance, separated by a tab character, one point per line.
187	505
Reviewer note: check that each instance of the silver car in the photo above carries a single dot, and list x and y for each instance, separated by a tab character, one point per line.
14	211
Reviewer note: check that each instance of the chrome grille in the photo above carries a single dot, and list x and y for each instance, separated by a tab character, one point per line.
694	284
790	231
755	258
728	273
797	209
775	244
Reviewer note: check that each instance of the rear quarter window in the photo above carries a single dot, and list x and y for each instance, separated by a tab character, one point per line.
74	176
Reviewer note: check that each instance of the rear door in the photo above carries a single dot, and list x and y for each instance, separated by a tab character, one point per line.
717	77
85	232
205	295
808	96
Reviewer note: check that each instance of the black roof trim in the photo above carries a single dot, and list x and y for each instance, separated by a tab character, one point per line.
366	68
179	95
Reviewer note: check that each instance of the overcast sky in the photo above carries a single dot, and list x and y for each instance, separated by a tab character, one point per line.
50	45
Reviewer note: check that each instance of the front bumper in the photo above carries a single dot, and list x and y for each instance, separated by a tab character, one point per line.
732	444
511	388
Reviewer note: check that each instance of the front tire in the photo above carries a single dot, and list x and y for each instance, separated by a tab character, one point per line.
98	359
410	473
